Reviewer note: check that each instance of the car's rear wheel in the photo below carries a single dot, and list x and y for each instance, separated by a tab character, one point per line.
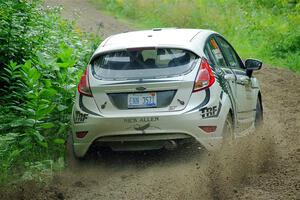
258	115
228	132
72	160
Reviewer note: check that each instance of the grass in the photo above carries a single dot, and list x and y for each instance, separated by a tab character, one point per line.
266	30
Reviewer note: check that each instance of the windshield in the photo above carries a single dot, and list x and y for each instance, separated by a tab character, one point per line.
143	63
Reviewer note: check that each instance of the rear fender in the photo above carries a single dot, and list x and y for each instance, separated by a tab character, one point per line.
226	110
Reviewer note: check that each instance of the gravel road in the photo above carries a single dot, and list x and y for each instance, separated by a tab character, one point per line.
263	166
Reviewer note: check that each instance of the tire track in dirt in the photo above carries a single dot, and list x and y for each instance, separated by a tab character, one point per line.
264	166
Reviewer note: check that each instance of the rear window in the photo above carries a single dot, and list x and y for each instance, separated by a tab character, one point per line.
143	63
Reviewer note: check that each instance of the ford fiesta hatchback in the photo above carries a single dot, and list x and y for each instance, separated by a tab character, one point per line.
158	88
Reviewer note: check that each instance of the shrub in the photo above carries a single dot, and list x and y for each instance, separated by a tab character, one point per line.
42	58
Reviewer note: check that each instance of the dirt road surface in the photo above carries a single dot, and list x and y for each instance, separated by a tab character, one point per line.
88	18
263	166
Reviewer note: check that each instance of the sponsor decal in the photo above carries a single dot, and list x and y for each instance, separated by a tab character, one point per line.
217	53
213	111
219	74
139	120
80	117
214	44
207	112
142	128
203	103
135	123
221	95
224	84
181	102
85	109
103	105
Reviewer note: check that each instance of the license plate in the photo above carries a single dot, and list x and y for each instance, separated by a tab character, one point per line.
142	100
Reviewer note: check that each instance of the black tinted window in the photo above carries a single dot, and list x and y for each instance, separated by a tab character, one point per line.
215	53
143	63
207	51
229	54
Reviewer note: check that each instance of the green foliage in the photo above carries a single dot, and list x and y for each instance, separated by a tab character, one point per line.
267	30
42	58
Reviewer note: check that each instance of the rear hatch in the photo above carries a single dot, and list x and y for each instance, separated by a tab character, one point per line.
142	80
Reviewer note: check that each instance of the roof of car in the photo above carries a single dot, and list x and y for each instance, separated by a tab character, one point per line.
159	37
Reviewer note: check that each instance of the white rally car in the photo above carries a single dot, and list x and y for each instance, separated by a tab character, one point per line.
159	88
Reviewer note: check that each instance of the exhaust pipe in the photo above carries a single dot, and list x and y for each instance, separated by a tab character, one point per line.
170	145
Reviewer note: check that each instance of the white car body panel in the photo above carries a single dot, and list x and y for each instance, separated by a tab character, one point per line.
190	39
105	122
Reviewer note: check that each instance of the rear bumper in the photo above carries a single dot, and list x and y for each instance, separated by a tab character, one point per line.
162	127
209	108
139	142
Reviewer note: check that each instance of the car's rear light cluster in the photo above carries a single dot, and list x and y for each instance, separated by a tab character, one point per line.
84	85
81	134
205	77
208	129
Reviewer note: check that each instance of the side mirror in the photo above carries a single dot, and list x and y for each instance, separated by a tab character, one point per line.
252	64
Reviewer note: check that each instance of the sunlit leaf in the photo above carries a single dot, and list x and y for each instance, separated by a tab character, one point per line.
58	141
62	107
46	125
23	122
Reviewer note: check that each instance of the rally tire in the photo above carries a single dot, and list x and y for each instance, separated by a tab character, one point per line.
228	132
258	115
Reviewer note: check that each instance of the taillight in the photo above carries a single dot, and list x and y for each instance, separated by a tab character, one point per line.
205	77
208	129
81	134
84	85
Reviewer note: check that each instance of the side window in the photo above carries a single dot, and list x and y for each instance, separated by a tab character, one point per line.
208	54
216	52
229	54
213	52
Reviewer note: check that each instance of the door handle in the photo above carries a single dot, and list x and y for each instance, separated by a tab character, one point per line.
229	77
243	80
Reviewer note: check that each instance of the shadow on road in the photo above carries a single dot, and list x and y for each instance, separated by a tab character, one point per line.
105	157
